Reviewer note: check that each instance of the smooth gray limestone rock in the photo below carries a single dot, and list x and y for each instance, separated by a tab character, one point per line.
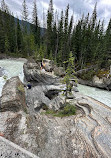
13	95
11	150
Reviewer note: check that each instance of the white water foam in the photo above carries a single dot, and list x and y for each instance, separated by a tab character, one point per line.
12	68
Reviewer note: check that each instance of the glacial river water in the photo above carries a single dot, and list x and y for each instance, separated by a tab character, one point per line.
15	68
103	96
11	68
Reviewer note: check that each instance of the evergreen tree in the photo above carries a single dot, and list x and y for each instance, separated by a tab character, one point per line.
77	40
24	11
88	41
101	44
19	38
4	7
49	28
70	33
44	19
94	18
65	37
24	17
54	41
34	13
12	34
107	54
60	39
29	45
70	74
36	28
2	34
6	45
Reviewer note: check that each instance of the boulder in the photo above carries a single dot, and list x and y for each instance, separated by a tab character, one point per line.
73	82
59	71
13	95
57	103
33	65
75	89
2	56
33	74
37	105
48	65
99	82
104	82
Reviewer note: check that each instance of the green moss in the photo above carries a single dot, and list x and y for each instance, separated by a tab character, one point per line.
102	73
68	110
20	88
25	110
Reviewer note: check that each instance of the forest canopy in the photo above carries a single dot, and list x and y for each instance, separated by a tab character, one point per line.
87	39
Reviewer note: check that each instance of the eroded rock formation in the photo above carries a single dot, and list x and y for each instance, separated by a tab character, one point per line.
87	134
84	135
33	74
13	95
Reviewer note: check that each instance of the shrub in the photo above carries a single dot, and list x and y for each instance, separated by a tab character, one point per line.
102	73
68	110
88	75
5	78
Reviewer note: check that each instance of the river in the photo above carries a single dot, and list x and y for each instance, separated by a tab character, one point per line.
103	96
11	68
15	68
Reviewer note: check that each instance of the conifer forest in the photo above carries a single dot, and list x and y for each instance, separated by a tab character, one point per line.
87	39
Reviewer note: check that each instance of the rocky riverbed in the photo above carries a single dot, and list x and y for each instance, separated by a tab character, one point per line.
86	134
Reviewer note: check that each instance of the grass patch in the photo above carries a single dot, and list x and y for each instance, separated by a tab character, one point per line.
68	110
21	88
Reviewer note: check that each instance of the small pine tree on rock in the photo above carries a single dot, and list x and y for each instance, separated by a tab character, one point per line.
70	74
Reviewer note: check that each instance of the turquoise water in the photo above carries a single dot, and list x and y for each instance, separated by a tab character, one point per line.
101	95
12	68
